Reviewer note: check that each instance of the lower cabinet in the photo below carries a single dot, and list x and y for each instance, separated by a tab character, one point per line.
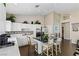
27	50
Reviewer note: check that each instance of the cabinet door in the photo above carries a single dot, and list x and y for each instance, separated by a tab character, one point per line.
16	26
8	25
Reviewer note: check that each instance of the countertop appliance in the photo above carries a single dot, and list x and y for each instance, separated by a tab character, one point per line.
3	39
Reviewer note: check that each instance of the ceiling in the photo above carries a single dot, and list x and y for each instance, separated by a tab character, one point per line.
43	9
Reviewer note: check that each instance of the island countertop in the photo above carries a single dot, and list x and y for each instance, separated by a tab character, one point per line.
11	50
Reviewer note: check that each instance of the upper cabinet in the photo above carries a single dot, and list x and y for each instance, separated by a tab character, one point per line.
24	27
16	27
8	25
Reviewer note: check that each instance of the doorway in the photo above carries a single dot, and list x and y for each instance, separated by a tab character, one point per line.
66	31
66	43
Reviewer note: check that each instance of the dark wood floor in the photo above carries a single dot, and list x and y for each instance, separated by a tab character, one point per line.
67	49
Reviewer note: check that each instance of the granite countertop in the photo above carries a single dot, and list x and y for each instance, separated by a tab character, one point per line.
41	40
45	41
20	32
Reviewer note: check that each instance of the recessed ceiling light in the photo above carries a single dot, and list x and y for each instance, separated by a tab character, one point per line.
36	6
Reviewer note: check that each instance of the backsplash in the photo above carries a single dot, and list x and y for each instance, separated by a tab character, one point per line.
20	32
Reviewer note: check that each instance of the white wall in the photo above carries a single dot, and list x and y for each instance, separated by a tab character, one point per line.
74	35
2	18
53	22
20	18
74	18
49	19
49	22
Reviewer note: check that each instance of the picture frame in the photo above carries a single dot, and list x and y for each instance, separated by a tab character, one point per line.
75	26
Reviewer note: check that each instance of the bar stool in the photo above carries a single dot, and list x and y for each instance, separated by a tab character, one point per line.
48	47
57	46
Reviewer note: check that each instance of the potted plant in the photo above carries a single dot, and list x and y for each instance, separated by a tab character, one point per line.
45	37
31	22
37	22
25	22
11	18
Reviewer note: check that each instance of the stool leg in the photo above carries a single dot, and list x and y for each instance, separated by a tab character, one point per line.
56	49
59	48
52	50
47	51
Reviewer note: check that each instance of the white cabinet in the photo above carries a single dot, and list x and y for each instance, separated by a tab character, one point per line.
22	40
8	25
16	27
20	26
